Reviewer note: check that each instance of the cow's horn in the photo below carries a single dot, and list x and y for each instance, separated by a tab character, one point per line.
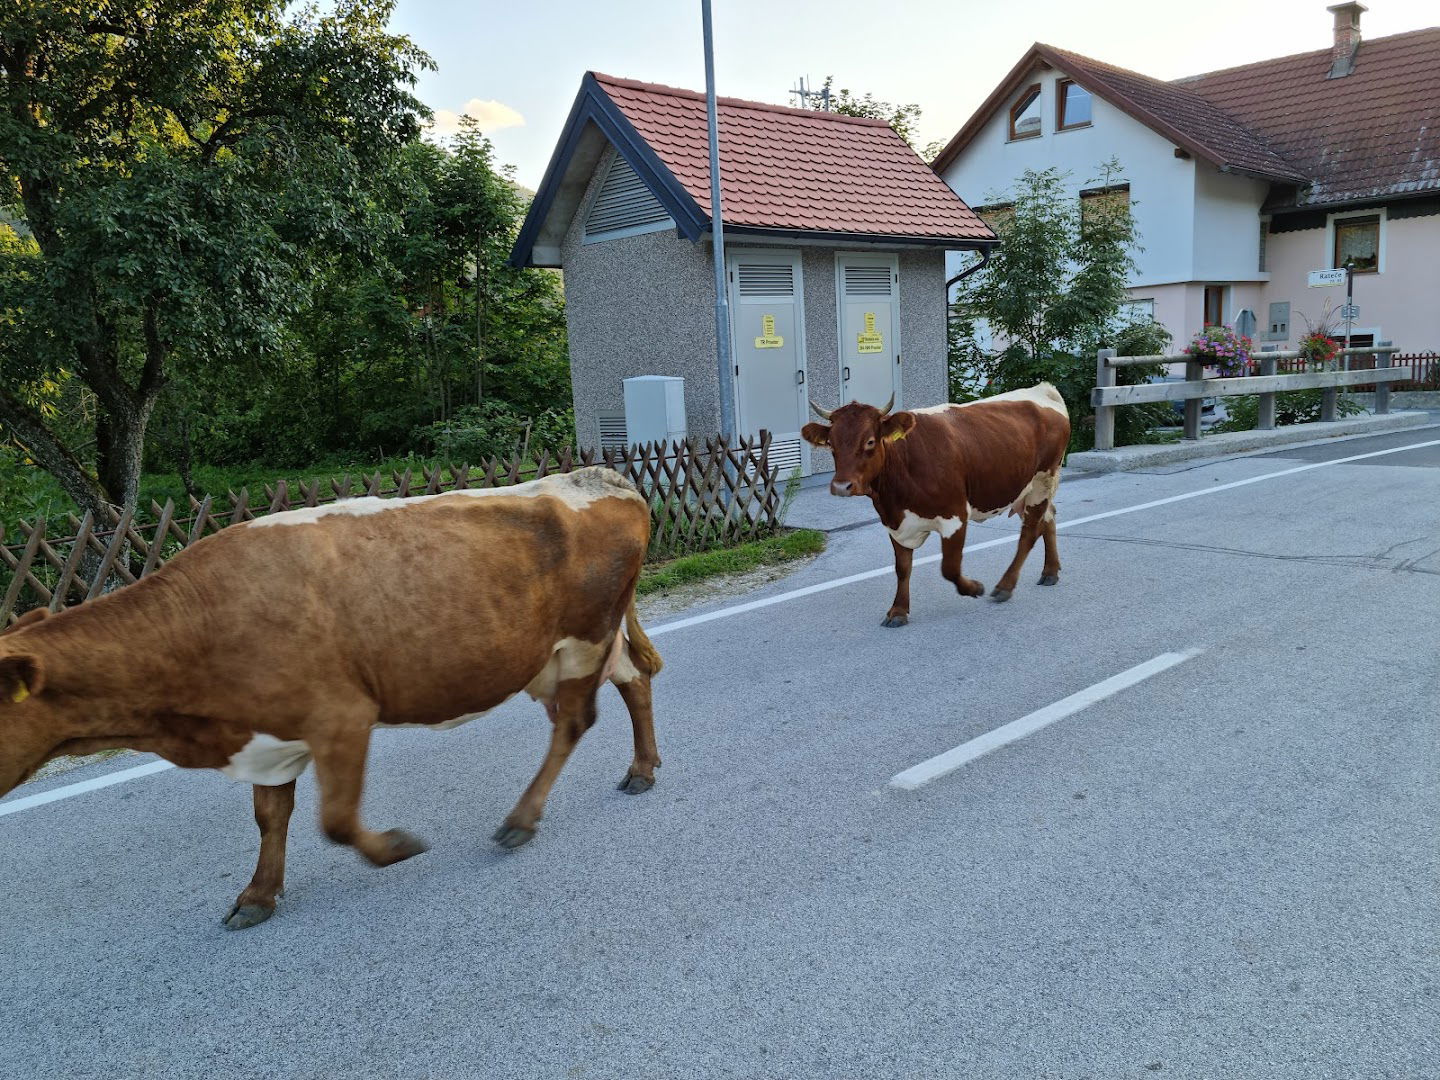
888	405
822	413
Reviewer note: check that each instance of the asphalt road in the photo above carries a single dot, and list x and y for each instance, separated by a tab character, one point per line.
1228	870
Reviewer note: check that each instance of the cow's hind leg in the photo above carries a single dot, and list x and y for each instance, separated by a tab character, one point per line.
272	813
951	550
1033	524
638	663
899	613
572	713
1050	575
634	687
340	771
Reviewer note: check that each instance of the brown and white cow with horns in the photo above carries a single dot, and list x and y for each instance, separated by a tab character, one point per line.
290	638
937	469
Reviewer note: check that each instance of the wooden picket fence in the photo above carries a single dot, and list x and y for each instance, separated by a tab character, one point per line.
702	495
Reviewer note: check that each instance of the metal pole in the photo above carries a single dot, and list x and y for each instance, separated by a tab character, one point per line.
723	356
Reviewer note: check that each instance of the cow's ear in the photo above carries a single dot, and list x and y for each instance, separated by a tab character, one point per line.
816	434
20	676
897	425
30	617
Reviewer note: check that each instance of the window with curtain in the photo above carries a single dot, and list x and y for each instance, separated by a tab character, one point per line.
1358	239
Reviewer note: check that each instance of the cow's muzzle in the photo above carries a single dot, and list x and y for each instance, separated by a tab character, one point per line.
843	487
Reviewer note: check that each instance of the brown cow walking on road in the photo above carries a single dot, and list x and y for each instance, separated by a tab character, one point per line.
937	469
291	637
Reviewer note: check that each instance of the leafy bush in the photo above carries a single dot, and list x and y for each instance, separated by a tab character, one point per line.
1291	407
494	429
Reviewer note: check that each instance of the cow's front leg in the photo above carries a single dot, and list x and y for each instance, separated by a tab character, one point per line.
340	772
899	613
571	715
272	813
951	549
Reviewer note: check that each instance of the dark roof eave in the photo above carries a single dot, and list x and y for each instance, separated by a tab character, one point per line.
1349	202
593	105
949	243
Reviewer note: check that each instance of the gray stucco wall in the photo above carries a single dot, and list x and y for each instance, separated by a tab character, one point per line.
922	329
638	305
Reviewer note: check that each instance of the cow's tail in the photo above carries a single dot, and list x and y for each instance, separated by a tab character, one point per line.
642	649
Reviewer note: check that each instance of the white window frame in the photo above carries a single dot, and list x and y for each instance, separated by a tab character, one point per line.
1331	219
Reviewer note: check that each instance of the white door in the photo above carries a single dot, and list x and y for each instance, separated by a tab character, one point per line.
767	335
868	288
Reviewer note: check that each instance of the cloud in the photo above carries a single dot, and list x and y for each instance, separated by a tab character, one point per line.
489	115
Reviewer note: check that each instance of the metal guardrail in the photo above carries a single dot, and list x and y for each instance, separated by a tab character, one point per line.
1107	396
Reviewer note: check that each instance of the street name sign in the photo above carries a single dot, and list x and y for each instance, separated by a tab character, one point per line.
1320	279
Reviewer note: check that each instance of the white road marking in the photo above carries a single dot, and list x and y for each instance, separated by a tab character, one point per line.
943	764
16	805
824	586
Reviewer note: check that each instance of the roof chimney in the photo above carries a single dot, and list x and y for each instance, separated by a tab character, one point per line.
1347	39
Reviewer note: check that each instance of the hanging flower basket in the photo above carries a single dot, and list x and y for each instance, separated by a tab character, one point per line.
1221	348
1319	350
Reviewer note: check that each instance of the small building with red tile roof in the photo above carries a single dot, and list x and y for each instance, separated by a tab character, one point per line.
835	230
1243	180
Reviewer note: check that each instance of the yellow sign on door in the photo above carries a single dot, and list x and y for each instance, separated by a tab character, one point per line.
869	340
768	338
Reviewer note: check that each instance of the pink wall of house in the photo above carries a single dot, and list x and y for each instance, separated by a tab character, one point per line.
1401	303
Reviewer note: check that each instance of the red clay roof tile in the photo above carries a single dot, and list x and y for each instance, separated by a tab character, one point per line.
795	168
1375	132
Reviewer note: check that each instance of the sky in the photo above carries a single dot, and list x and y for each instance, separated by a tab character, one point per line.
516	66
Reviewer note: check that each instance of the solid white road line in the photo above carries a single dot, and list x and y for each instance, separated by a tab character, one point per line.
779	598
824	586
79	788
948	762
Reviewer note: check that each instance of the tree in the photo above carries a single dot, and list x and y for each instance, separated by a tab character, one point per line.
1052	293
903	118
177	169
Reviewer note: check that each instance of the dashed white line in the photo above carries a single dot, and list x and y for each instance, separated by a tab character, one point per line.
942	764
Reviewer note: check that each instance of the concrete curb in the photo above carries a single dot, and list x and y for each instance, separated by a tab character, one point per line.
1125	458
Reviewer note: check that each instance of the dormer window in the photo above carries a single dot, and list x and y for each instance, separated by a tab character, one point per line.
1073	105
1025	114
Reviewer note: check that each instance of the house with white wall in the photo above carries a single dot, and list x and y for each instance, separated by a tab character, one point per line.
1242	181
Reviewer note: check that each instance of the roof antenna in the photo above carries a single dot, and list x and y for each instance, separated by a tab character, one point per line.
803	92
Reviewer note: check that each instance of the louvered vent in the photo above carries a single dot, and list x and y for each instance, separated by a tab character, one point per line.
785	456
767	279
613	434
624	202
867	281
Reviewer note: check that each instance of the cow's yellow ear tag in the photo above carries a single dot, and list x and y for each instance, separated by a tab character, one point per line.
21	693
897	434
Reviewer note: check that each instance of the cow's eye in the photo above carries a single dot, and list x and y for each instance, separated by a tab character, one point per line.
870	444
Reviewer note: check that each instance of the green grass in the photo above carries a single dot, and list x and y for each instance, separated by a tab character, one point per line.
786	547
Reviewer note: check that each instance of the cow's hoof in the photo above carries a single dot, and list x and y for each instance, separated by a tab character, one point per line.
1000	595
970	588
892	621
401	845
513	836
242	917
635	784
1049	579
